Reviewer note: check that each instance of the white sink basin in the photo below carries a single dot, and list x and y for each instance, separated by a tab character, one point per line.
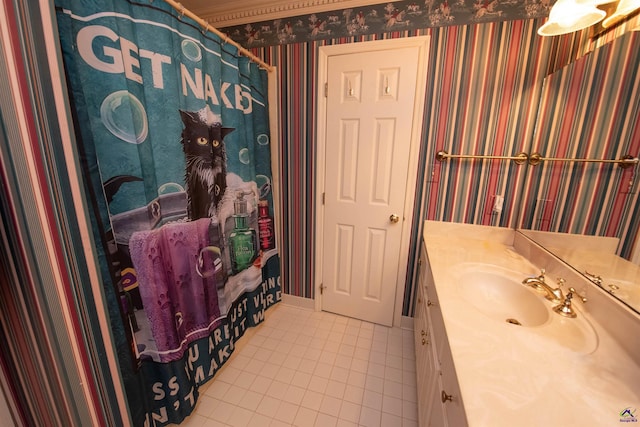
500	295
573	334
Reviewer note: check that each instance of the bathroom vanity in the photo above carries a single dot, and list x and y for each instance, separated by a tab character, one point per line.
491	350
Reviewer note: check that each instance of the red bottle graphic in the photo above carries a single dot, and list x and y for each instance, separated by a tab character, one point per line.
265	227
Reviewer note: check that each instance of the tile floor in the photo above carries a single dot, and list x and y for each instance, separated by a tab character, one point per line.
305	368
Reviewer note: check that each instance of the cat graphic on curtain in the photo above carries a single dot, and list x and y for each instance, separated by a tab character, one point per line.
206	162
213	192
183	266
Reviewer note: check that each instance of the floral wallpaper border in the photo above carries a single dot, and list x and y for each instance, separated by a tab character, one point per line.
383	18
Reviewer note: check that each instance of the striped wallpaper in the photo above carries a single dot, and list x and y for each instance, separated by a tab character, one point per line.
53	359
483	95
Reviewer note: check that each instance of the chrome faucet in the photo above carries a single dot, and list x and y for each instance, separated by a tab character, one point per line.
538	283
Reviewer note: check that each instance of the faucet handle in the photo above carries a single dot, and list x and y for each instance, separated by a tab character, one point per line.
565	309
542	273
594	278
572	292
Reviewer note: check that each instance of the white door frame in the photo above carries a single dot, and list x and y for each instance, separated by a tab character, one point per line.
422	43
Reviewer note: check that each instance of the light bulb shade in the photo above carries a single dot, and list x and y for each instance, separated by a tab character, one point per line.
597	2
567	16
624	8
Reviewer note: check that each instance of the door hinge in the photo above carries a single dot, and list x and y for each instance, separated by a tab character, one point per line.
326	90
321	288
323	194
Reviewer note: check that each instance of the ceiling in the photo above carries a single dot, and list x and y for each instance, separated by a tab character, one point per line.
226	13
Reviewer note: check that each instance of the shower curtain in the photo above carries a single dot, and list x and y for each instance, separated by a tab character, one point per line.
172	128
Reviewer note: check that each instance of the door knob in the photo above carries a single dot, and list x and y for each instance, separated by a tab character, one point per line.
394	218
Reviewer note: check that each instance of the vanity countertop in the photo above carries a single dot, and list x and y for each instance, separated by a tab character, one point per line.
553	374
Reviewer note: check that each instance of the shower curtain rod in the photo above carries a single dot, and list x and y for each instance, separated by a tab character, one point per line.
207	27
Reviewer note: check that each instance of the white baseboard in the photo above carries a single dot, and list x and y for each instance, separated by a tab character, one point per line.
301	302
406	322
310	304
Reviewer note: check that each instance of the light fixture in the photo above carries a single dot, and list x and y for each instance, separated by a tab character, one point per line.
567	16
624	8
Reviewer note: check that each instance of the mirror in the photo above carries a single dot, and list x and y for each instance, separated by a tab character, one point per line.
588	214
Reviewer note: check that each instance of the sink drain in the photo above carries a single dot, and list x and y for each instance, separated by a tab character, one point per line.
514	322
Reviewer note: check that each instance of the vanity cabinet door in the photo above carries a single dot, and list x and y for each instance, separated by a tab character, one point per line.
423	365
433	414
430	410
420	325
440	402
437	413
424	379
450	396
422	343
434	313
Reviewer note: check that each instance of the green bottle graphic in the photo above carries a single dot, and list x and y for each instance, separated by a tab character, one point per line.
243	241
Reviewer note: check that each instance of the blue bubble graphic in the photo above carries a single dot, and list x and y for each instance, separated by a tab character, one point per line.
125	117
244	157
170	187
191	50
263	139
264	186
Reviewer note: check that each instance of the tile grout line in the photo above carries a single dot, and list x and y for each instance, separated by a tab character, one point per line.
245	403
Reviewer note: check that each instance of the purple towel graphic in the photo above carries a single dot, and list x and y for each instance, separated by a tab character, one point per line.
179	301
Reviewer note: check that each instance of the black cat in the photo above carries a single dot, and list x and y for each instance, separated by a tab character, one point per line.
206	162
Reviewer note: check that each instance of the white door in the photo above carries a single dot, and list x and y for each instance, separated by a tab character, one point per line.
368	132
